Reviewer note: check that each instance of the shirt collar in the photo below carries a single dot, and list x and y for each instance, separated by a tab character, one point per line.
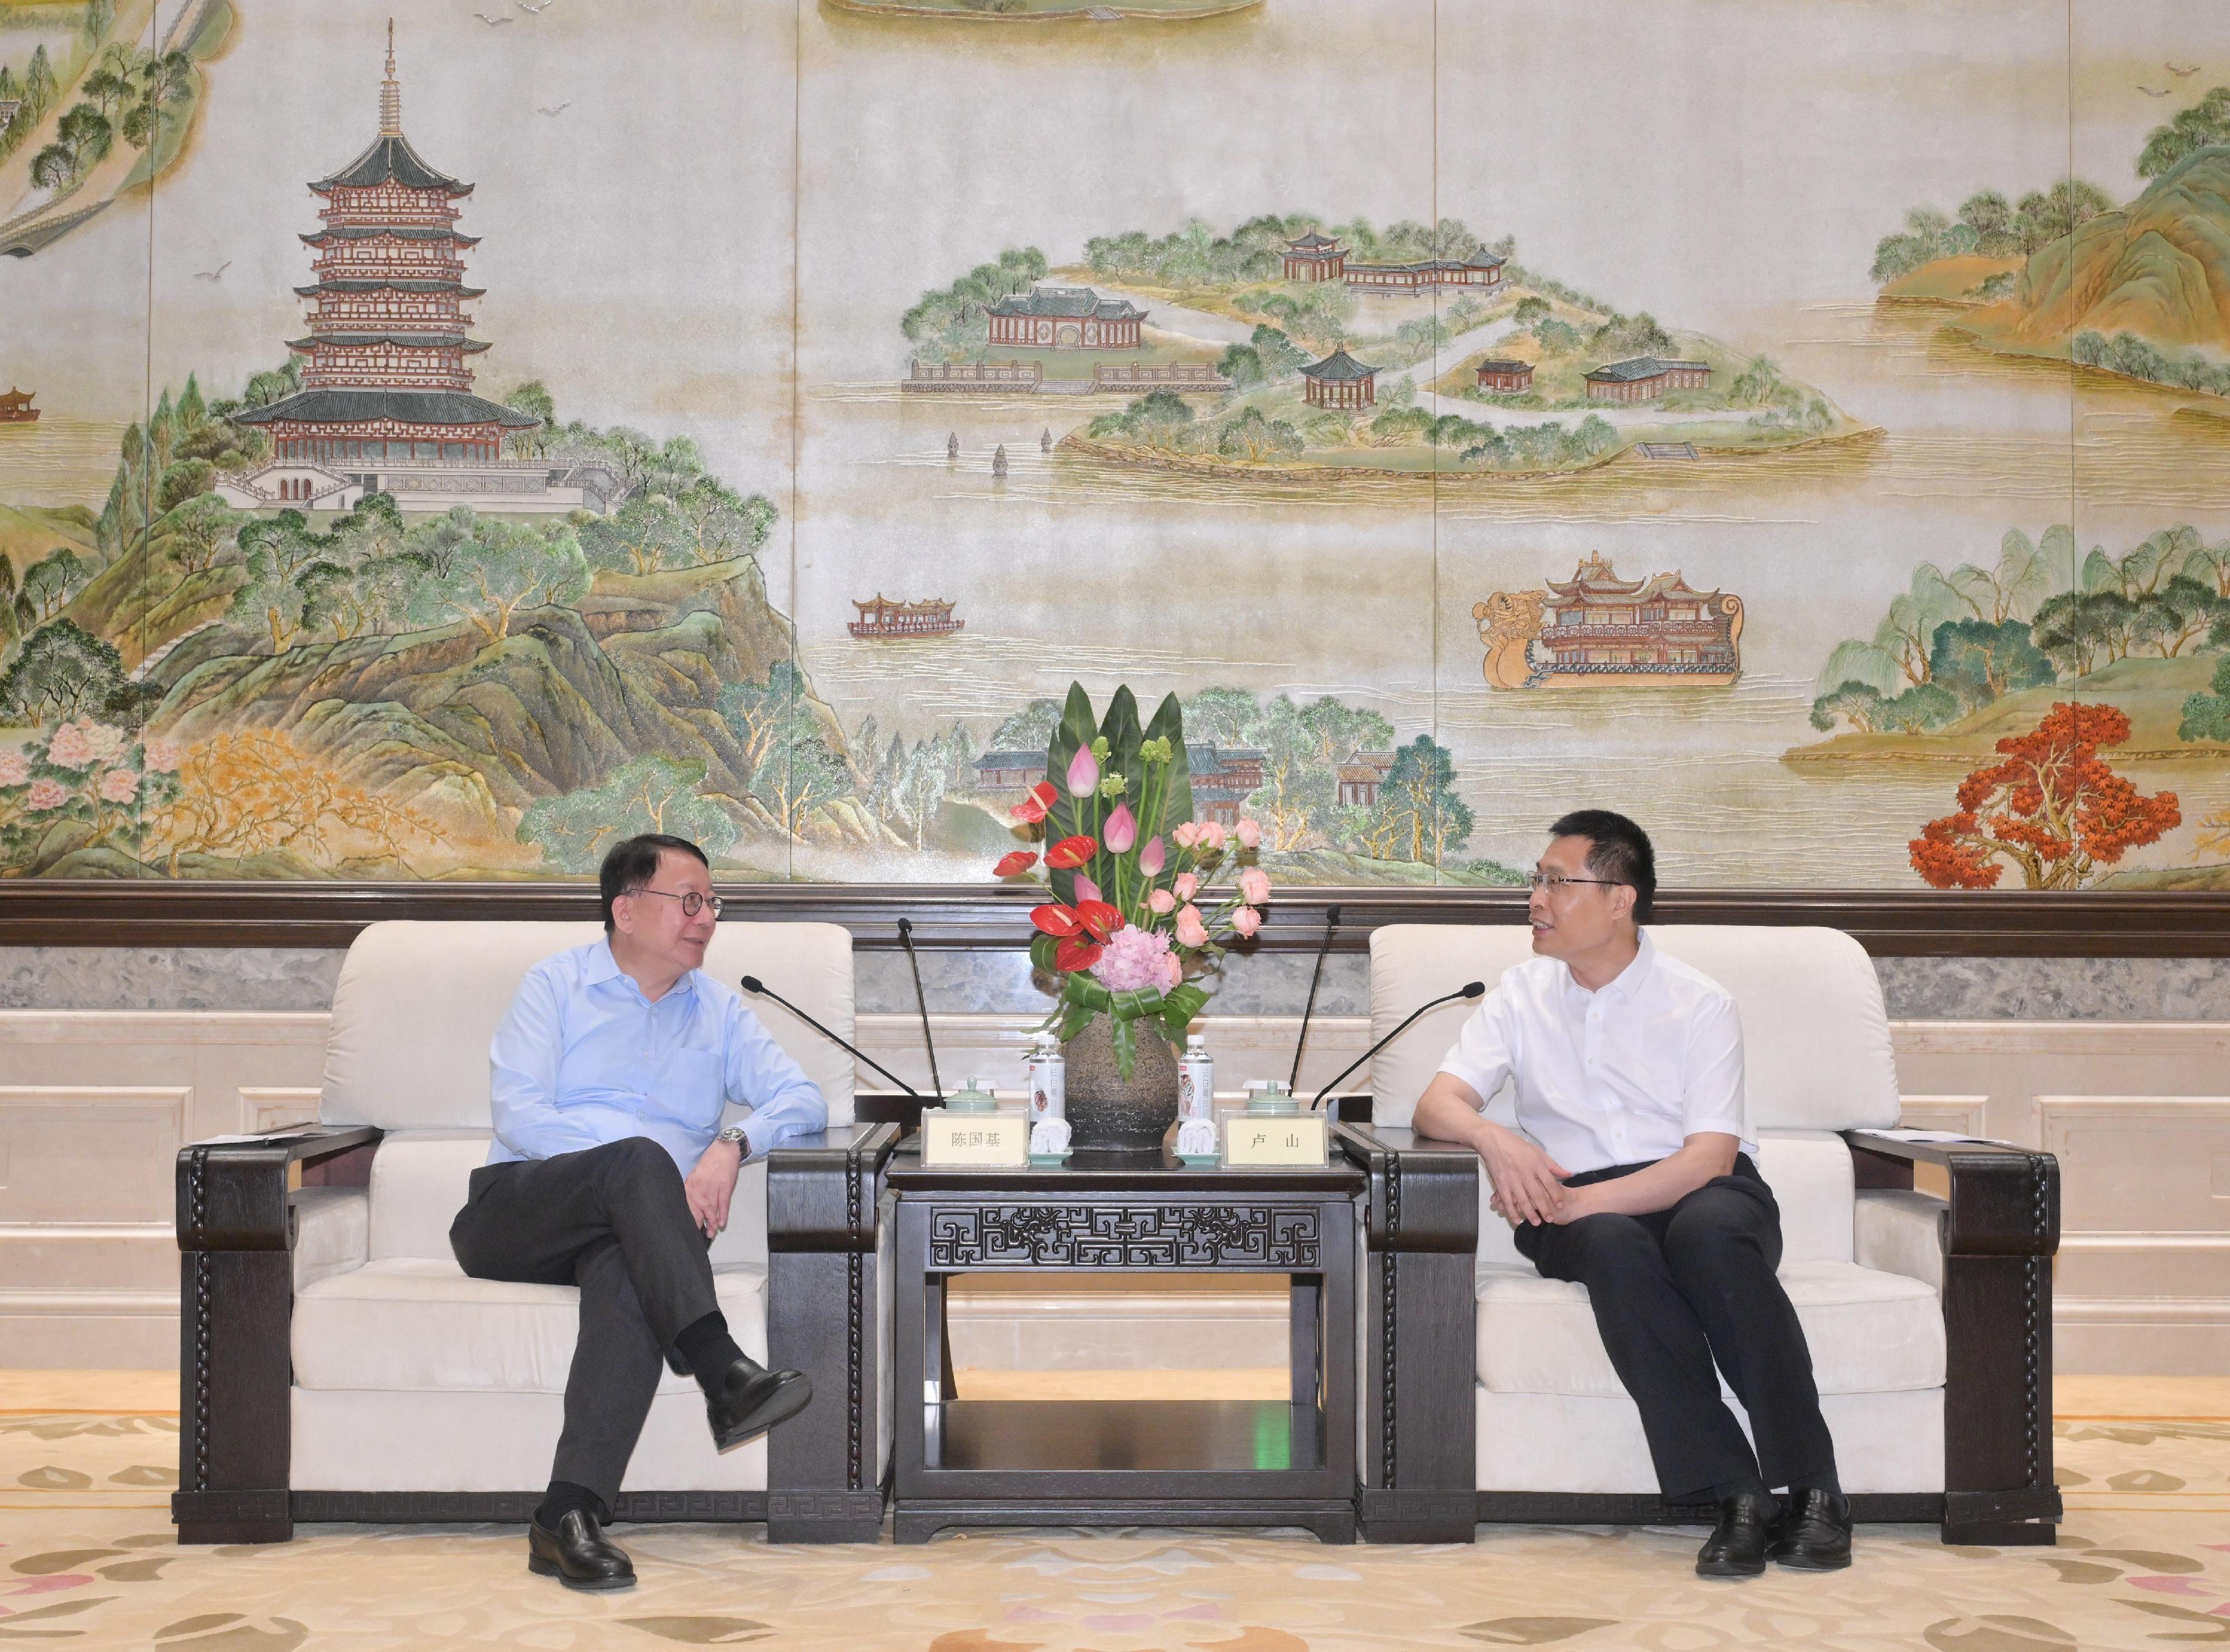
600	967
1627	984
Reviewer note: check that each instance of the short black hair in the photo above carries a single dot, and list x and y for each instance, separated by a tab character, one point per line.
1617	850
632	863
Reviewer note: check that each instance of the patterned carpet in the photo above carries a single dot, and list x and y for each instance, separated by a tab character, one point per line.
87	1559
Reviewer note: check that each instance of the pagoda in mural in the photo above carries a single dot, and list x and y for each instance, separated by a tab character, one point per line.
386	403
1597	630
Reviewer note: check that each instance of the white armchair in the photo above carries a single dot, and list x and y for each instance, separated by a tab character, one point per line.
338	1364
1930	1325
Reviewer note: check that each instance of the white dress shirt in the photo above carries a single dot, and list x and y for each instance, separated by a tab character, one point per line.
1619	1076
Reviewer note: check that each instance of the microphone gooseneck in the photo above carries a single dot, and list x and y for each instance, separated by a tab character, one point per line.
1469	989
1331	922
921	1000
758	988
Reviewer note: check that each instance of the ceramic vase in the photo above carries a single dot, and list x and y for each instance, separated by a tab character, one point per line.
1109	1114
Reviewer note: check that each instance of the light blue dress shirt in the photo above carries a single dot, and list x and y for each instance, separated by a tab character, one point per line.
583	1059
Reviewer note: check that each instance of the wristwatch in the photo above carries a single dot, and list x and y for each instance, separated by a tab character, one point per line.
735	1132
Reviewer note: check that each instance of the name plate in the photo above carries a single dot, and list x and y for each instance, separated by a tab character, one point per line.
1296	1141
974	1140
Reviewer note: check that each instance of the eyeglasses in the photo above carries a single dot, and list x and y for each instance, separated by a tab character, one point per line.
1556	882
692	903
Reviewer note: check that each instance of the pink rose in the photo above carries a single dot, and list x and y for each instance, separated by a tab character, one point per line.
1153	858
1175	968
1249	833
1211	837
1163	902
104	743
69	748
45	795
1188	885
163	756
119	786
1253	886
14	768
1187	835
1245	920
1191	932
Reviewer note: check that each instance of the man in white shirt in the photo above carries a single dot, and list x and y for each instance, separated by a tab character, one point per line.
1631	1172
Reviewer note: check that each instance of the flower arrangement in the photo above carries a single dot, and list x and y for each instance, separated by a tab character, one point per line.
1137	914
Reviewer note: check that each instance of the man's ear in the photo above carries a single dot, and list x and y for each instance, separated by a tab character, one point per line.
1622	898
624	914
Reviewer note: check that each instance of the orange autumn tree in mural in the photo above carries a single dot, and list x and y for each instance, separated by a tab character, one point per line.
2050	806
241	795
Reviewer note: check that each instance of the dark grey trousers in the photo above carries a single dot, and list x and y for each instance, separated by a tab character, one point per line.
615	1221
1676	1289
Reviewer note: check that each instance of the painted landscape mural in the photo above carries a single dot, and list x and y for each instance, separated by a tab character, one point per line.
438	442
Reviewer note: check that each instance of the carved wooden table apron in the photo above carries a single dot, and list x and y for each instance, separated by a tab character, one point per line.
1138	1463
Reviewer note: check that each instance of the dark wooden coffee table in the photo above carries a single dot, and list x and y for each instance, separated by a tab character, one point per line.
964	1463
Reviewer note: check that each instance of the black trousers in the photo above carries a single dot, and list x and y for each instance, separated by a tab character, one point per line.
1679	1289
615	1221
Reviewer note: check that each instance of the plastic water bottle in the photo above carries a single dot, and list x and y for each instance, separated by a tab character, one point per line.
1196	1080
1048	1079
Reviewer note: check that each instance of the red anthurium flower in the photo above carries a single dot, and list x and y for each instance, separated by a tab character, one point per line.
1058	921
1070	853
1098	919
1033	808
1013	865
1078	952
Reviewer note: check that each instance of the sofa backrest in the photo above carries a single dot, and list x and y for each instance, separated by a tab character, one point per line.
418	1004
1816	1031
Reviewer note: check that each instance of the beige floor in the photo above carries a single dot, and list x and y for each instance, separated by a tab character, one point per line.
87	1559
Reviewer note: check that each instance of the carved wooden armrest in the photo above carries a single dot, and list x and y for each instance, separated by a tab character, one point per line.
237	1226
1420	1423
824	1312
1998	1233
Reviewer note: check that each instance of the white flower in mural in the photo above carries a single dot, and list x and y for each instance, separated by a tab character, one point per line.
106	743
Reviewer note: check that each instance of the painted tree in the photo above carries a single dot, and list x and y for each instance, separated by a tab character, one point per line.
765	718
2051	807
2206	716
505	568
240	795
1858	703
49	584
653	793
1978	660
2203	125
63	672
195	532
1418	816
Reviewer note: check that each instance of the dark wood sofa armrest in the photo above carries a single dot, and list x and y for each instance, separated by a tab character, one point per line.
824	1315
1418	1455
2001	1230
235	1231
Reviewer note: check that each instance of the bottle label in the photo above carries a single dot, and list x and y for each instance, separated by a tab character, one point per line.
1196	1088
1049	1088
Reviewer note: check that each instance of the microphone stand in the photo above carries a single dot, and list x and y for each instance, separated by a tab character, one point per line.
753	985
1472	989
1331	922
905	939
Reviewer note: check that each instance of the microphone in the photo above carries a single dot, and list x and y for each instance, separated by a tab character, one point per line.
752	984
1331	922
1470	989
905	939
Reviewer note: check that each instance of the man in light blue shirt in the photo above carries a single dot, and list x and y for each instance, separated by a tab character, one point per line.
610	1170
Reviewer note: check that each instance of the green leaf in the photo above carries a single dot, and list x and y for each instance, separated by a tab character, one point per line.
1042	951
1077	729
1175	782
1080	988
1074	1018
1133	1002
1126	1048
1179	1005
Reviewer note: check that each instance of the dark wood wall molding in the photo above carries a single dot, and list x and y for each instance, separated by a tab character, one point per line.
1890	924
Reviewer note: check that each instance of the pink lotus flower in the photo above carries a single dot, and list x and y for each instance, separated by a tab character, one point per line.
69	748
119	786
1245	920
1254	885
1187	835
1121	829
1083	774
1151	858
163	756
1191	932
45	795
1085	889
1187	885
1211	837
1163	902
106	743
14	768
1135	958
1249	833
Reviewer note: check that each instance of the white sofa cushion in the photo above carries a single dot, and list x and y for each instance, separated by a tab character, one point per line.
417	1003
1816	1031
413	1323
1869	1332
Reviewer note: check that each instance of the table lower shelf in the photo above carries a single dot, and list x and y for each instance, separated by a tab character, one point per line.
1117	1436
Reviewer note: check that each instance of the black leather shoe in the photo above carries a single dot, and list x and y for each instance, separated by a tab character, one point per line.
749	1399
577	1553
1815	1533
1737	1545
